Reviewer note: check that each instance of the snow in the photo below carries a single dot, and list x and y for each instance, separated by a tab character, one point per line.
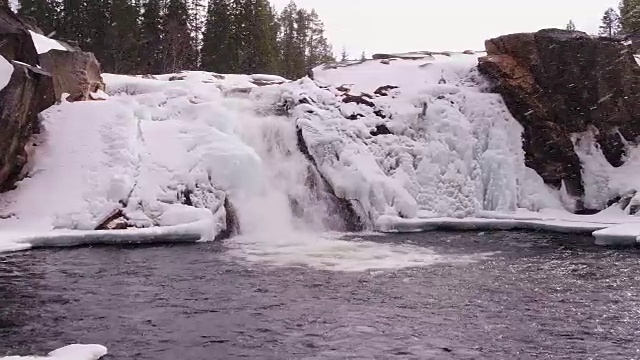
70	352
6	70
43	44
637	58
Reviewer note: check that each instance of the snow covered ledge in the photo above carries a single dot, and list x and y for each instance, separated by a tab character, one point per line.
70	352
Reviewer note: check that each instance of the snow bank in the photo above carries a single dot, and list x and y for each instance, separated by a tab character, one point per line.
6	70
43	44
70	352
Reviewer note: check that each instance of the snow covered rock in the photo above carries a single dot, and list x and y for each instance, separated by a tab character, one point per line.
76	73
557	83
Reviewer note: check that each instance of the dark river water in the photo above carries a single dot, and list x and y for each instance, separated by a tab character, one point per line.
542	296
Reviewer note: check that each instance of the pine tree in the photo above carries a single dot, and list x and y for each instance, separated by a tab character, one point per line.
122	38
196	23
73	24
178	50
150	37
44	12
571	26
216	50
344	56
287	40
630	17
610	23
319	50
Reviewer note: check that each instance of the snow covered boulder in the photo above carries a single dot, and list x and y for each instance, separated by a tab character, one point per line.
557	83
74	72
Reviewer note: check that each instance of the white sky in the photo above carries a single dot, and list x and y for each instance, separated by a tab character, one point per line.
408	25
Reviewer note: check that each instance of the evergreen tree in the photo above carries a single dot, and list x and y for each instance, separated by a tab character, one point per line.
178	50
196	23
319	50
44	12
150	38
610	23
122	38
216	39
287	40
571	26
630	17
363	57
344	56
72	23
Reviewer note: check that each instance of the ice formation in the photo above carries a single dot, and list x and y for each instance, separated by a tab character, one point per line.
69	352
398	145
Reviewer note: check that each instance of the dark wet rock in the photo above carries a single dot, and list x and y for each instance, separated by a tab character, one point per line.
381	129
343	88
15	40
380	113
29	92
557	83
233	224
76	73
177	77
624	202
345	217
358	99
354	116
384	90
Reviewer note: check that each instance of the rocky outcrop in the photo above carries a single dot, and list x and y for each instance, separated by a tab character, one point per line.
76	73
15	40
29	92
557	83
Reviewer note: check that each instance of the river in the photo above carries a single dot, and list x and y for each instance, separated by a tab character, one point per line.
537	296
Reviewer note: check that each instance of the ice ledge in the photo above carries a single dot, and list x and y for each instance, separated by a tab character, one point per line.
185	233
607	228
70	352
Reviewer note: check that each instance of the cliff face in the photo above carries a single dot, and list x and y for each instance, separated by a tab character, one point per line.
557	83
28	92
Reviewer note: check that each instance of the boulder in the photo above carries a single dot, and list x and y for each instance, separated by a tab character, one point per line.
15	40
557	83
74	72
29	92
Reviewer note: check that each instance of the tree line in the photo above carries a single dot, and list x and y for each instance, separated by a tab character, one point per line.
621	22
166	36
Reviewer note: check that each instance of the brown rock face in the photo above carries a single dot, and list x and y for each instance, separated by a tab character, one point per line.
74	72
29	92
558	82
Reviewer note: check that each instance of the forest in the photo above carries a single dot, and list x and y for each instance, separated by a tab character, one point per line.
166	36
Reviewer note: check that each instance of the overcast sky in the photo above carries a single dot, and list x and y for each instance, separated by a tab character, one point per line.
407	25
